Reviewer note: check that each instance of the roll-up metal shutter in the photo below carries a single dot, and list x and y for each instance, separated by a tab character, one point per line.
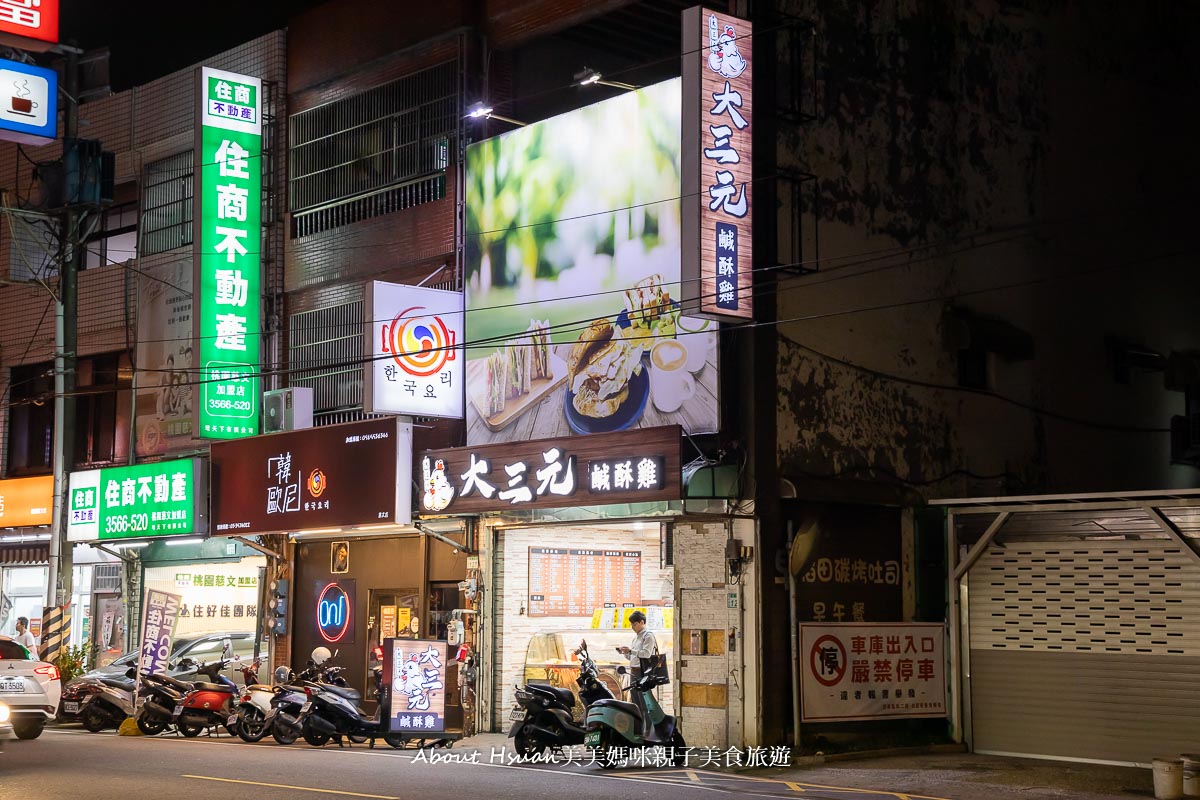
1085	650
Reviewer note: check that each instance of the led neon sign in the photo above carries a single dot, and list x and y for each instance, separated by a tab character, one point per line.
333	613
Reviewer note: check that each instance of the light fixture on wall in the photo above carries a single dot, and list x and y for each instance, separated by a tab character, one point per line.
590	77
484	111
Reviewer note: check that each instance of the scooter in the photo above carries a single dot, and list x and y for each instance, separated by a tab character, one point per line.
613	724
158	695
105	703
250	718
293	702
334	713
208	703
544	715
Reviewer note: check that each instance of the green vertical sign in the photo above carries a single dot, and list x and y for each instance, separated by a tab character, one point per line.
134	502
228	210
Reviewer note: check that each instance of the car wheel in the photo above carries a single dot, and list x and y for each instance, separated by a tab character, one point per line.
92	720
28	727
251	725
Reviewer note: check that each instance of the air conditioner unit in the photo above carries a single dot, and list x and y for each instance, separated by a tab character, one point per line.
287	409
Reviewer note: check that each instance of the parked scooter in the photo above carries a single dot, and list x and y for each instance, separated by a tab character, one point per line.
208	704
250	718
158	695
294	700
613	724
544	715
333	712
105	702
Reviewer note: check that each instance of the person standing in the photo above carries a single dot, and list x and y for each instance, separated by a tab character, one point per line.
644	644
25	638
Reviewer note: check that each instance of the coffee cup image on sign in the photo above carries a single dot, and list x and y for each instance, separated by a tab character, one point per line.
23	97
21	102
671	384
700	338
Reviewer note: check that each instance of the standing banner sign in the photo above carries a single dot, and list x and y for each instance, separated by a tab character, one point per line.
158	630
228	258
857	671
718	91
415	671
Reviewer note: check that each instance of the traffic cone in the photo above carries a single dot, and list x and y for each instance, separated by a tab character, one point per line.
129	728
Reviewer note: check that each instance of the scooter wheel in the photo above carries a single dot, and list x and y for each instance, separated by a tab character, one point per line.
394	740
281	735
606	757
190	731
678	749
526	746
151	727
357	739
316	738
251	725
92	720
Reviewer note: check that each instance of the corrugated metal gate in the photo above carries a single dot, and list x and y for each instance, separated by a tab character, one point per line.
1090	650
1083	646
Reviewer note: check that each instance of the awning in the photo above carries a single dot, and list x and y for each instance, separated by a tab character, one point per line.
12	553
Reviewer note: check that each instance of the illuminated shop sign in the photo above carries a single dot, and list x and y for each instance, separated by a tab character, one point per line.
633	466
29	24
28	103
137	501
335	608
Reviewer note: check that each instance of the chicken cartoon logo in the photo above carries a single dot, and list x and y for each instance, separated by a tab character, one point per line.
438	491
723	55
419	677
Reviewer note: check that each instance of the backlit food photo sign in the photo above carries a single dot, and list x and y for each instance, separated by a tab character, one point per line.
335	607
28	103
227	260
637	466
572	257
414	336
718	89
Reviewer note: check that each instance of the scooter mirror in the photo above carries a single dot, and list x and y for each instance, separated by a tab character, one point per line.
621	670
131	673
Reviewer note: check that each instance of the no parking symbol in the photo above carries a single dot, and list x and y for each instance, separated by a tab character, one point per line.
827	660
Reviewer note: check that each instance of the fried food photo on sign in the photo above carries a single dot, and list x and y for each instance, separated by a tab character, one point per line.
599	368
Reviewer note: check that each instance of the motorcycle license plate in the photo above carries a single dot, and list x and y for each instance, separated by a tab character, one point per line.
178	710
592	739
306	707
232	719
517	714
71	708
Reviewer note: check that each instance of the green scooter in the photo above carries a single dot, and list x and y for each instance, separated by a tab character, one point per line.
615	725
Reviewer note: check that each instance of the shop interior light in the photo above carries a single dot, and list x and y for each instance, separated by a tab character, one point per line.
374	527
185	540
130	545
321	530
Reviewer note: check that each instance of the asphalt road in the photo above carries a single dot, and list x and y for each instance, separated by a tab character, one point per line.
66	762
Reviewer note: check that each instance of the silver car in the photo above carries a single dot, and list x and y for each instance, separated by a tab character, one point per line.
30	688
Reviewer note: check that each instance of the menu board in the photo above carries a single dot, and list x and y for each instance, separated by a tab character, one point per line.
574	583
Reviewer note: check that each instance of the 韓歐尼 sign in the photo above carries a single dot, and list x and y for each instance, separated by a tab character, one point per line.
159	615
227	258
137	501
26	501
627	467
859	671
28	103
717	215
414	336
358	474
29	24
416	671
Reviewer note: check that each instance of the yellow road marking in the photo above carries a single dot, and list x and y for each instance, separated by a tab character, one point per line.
293	788
692	776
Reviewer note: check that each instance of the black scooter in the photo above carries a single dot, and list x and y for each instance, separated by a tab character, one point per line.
544	715
333	712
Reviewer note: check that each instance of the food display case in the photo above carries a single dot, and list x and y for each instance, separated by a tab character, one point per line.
549	658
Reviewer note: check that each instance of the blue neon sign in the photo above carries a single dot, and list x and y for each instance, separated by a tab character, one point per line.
334	610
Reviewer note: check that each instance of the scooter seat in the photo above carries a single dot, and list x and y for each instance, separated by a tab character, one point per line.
561	695
629	708
117	683
205	686
346	692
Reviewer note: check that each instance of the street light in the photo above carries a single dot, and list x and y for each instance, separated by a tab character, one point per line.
589	77
484	111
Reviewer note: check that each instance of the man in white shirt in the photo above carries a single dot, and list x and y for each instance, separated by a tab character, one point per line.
24	637
644	644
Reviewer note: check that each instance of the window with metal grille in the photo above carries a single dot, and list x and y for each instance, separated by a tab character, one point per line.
167	203
325	351
376	152
106	577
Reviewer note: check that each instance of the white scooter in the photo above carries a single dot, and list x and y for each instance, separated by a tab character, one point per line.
251	716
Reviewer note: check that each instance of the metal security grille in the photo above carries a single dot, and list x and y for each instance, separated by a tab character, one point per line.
1112	597
392	134
106	577
167	203
325	352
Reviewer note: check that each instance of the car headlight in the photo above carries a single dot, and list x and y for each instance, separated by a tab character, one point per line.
4	713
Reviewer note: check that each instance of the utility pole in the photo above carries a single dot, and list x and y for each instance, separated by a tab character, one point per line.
70	257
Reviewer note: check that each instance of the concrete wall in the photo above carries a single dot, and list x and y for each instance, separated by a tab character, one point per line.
1022	162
